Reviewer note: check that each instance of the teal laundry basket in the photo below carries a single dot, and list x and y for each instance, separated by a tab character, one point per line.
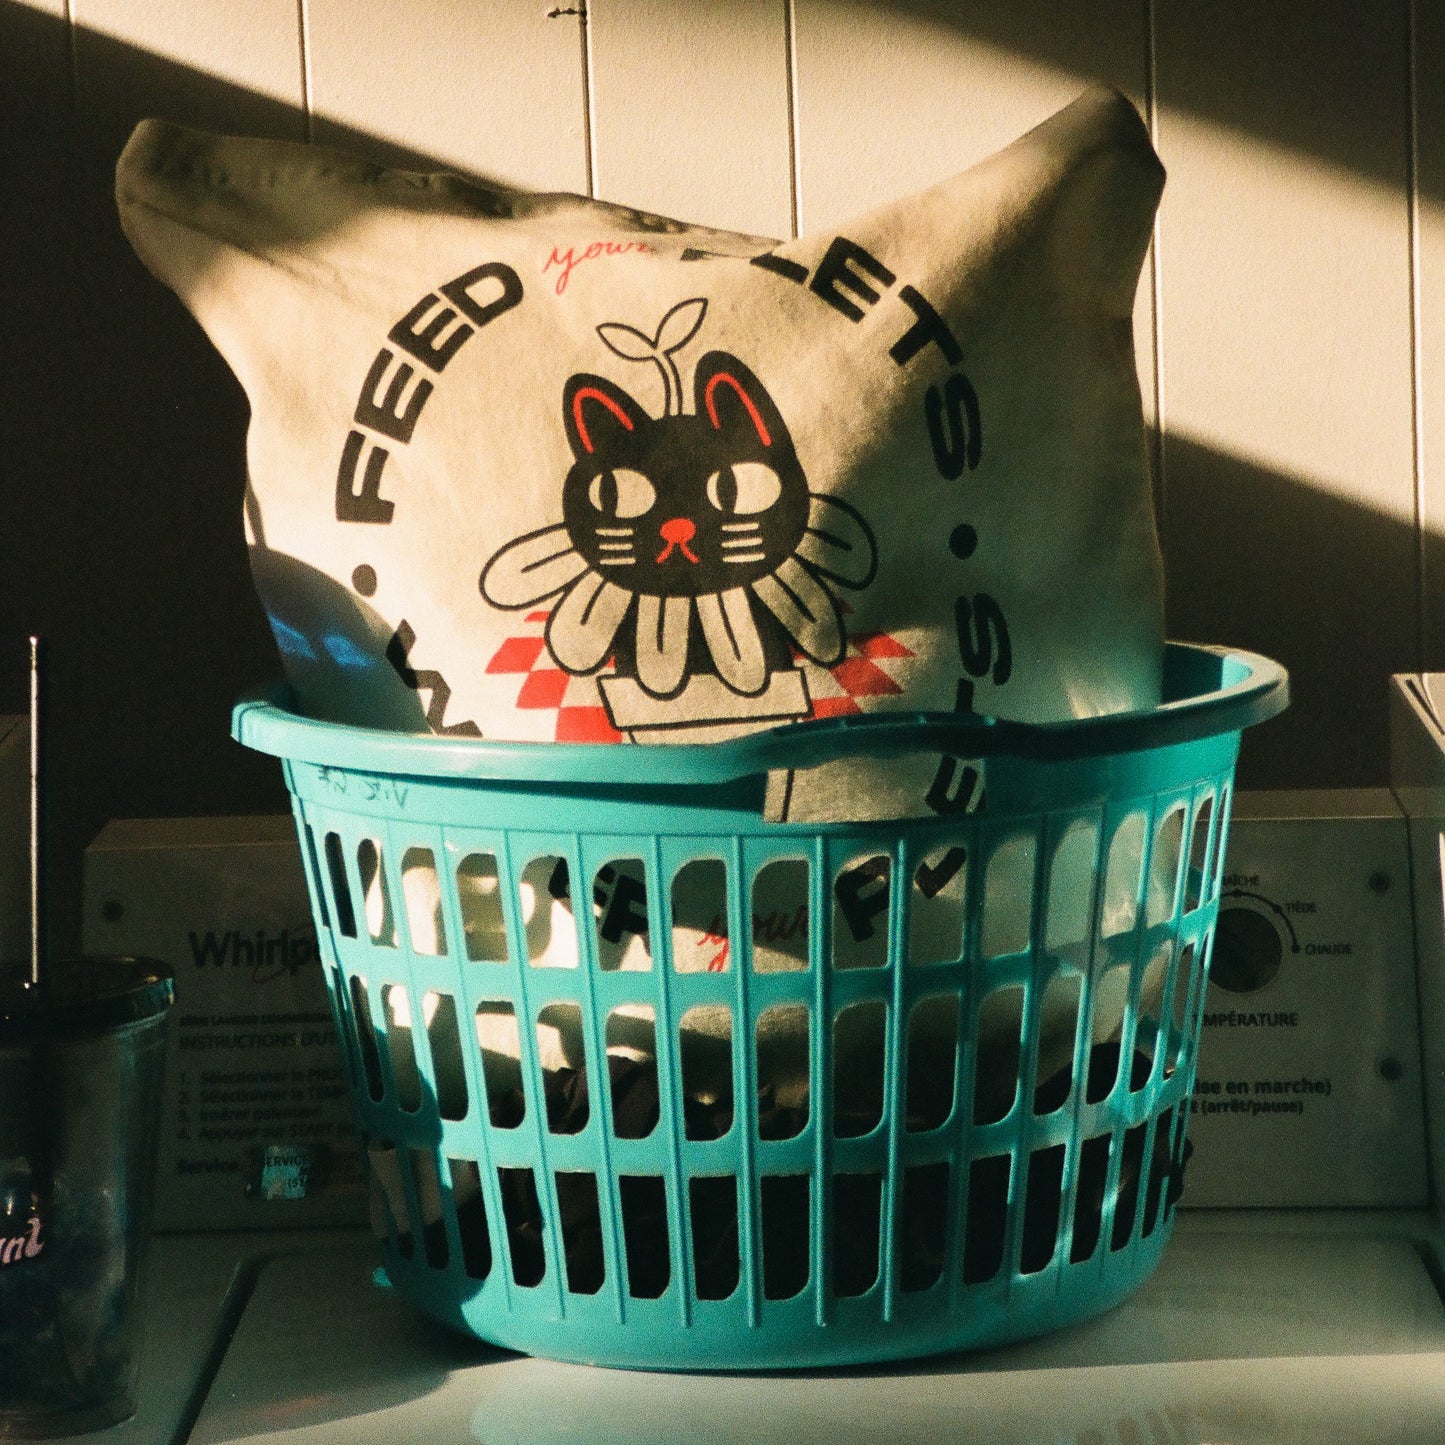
647	1080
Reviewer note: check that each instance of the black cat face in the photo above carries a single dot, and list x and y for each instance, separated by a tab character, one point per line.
682	506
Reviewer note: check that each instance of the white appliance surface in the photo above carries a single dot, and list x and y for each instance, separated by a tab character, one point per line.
1259	1327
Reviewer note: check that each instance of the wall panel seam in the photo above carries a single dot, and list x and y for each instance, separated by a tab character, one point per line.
795	179
1417	417
1156	270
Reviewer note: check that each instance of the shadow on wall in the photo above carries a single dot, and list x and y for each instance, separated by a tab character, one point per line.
123	434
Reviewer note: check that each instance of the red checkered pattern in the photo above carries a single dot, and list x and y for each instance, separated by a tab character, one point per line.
867	670
581	718
863	672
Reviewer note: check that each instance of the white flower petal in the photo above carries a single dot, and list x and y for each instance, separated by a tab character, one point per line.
732	638
663	626
838	543
531	568
806	609
581	629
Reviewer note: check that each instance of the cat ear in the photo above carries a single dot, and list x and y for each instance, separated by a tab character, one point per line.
596	413
733	399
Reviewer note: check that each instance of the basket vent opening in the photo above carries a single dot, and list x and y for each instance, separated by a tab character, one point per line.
986	1218
700	927
421	895
479	897
544	898
632	1070
366	1038
860	1048
1008	891
780	916
932	1061
471	1217
1058	1027
857	1198
1199	887
713	1207
619	914
375	893
861	892
1164	860
443	1036
577	1208
998	1049
522	1211
1069	910
787	1234
705	1053
922	1229
499	1040
562	1054
645	1234
937	906
400	1050
340	887
433	1228
1043	1199
783	1054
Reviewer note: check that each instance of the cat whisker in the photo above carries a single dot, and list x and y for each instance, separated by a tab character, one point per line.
614	531
733	543
627	561
741	526
745	556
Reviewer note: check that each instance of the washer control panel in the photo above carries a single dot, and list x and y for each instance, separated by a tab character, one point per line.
1308	1088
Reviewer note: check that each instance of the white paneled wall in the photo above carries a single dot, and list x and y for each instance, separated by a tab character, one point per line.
1290	329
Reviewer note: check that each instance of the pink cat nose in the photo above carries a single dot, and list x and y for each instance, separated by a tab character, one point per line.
678	532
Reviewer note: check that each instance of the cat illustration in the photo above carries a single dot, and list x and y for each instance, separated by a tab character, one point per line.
690	544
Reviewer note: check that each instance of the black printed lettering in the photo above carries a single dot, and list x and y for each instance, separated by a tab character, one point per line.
398	654
983	638
953	426
928	327
862	894
952	790
431	344
781	266
836	274
626	905
388	415
365	504
458	292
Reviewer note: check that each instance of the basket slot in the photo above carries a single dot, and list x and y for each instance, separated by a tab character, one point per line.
986	1217
1008	896
1161	1172
1089	1192
1149	1017
620	917
784	1078
366	1038
1162	896
1072	886
780	917
567	1080
522	1213
862	888
998	1043
545	908
479	900
1126	1197
1108	1002
860	1054
1123	877
499	1041
784	1201
340	887
1043	1200
932	1054
469	1214
1198	877
429	1204
632	1070
375	894
857	1216
400	1050
699	917
1058	1028
713	1217
645	1231
313	869
705	1043
921	1238
444	1040
578	1213
937	907
422	902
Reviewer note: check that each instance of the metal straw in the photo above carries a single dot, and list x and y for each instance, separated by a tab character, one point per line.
38	902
